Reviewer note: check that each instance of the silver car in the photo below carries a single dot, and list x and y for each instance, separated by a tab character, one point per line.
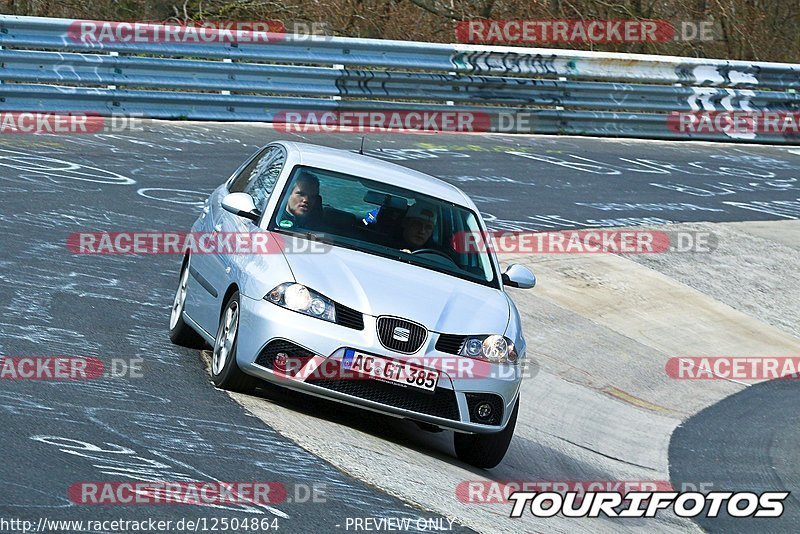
368	294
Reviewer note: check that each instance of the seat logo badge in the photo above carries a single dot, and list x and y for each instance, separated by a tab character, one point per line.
401	334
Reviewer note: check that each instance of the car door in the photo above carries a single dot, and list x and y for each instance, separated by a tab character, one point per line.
213	273
260	186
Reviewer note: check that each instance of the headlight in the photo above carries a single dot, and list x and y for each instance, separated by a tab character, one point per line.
495	349
299	298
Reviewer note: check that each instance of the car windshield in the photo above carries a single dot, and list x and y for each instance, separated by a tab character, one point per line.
384	220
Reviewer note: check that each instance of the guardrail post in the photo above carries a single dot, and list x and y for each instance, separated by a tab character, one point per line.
112	54
337	97
226	60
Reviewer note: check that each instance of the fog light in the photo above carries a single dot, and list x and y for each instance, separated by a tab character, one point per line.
280	361
484	411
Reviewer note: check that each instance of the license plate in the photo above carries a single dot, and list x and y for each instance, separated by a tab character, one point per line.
393	371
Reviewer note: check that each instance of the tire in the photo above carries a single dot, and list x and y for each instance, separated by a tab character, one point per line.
225	372
486	450
181	333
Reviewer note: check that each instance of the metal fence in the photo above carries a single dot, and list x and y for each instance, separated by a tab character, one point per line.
52	65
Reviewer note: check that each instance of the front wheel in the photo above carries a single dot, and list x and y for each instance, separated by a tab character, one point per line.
225	372
486	450
181	333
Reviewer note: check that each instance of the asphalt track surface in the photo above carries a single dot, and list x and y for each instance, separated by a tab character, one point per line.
746	442
171	424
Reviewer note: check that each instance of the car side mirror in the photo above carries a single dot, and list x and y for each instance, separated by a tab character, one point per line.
519	276
241	204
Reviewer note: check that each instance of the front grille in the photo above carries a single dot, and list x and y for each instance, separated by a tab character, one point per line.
495	401
349	317
442	403
401	335
266	357
450	343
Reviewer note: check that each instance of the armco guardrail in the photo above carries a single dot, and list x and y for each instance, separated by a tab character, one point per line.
48	65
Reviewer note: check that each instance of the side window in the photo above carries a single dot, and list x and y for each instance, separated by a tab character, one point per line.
240	182
264	176
259	176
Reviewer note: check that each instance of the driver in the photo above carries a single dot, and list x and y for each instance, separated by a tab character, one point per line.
417	226
303	203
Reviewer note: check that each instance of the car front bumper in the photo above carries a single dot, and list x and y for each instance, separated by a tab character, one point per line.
262	322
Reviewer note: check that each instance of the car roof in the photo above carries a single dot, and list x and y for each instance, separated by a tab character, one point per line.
375	169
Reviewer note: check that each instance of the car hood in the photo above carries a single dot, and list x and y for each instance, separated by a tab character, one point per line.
380	286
